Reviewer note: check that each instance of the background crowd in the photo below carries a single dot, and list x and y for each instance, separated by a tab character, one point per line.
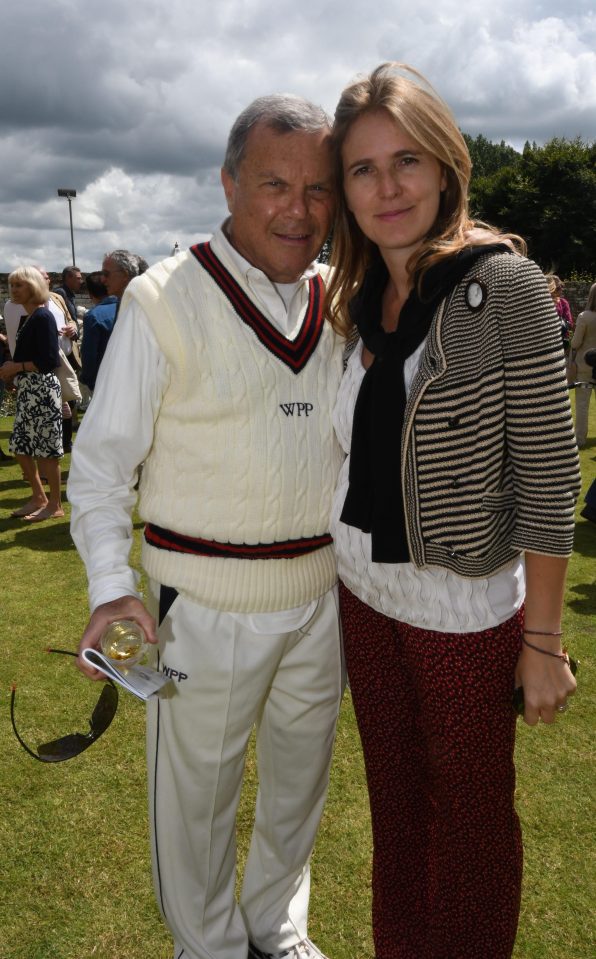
50	353
83	334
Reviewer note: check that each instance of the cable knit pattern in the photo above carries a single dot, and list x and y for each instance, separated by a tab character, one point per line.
489	463
240	459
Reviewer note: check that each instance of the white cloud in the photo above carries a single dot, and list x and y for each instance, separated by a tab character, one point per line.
131	103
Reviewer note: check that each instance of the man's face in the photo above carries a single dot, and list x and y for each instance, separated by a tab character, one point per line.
74	281
115	279
282	202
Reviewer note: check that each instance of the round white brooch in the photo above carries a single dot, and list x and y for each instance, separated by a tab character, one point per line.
475	294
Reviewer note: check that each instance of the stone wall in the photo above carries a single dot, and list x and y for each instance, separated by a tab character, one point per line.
55	280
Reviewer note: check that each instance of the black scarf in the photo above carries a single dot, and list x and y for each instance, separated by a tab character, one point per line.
374	501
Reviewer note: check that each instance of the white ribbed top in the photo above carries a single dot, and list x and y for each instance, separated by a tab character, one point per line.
430	598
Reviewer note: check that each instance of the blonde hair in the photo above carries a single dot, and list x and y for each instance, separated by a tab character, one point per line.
40	290
553	283
406	96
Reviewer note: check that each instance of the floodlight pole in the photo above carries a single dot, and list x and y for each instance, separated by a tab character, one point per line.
69	194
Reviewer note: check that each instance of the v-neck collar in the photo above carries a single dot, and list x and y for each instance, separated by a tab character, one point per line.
296	352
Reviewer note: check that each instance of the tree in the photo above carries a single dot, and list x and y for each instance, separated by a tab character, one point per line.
487	157
548	196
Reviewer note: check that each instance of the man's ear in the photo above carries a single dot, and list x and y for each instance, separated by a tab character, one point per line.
229	186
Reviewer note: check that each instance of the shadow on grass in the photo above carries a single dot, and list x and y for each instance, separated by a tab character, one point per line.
584	541
16	484
8	481
585	594
51	538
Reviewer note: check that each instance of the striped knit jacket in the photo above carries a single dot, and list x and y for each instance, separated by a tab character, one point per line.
237	488
489	462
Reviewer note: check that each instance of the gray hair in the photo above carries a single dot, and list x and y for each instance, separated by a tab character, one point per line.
283	113
128	262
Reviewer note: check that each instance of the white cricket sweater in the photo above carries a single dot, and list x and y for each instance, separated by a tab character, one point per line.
244	456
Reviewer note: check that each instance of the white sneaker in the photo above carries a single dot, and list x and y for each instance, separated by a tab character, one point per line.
302	950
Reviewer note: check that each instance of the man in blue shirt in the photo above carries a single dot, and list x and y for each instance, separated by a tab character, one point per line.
98	324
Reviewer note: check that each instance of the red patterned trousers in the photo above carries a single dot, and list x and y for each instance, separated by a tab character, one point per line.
435	717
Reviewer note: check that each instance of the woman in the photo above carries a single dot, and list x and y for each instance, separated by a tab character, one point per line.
584	339
555	288
3	351
461	460
37	431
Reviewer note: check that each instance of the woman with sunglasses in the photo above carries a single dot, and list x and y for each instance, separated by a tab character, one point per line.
37	431
454	507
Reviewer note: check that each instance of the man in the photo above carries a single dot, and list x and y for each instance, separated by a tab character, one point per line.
221	378
64	297
118	268
98	324
72	281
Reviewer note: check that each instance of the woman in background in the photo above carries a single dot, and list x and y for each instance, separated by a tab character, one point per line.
4	354
461	464
584	339
555	288
37	431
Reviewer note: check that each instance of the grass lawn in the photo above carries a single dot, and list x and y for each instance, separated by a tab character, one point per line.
75	881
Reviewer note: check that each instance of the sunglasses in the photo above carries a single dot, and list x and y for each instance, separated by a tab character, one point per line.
67	747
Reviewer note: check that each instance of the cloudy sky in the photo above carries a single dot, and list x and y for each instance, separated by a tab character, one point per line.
130	102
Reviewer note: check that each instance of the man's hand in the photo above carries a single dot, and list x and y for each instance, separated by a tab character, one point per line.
127	607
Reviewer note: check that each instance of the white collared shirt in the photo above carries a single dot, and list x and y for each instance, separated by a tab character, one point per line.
117	432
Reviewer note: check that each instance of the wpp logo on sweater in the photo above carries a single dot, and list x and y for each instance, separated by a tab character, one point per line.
296	409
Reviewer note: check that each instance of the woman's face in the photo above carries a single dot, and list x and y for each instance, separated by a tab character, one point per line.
20	291
392	186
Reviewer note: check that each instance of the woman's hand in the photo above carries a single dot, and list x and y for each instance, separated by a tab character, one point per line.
127	607
547	681
9	370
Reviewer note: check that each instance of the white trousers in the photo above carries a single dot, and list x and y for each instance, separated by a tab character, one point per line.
582	409
226	680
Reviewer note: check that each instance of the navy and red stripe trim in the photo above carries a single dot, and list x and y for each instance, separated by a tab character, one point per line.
294	353
178	543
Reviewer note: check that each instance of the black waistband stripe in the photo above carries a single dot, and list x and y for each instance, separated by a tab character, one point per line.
178	543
